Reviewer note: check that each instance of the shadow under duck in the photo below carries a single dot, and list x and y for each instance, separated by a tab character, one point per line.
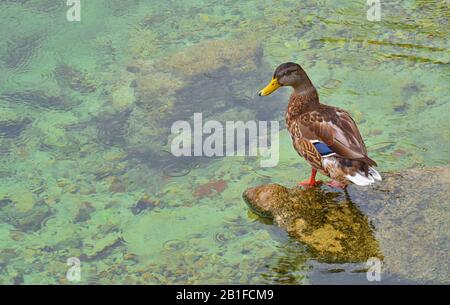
327	137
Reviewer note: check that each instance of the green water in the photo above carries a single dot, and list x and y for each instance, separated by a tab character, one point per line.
83	162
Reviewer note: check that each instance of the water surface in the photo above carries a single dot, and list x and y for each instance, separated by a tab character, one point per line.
86	109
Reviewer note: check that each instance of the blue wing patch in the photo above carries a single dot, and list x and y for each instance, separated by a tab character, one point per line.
323	149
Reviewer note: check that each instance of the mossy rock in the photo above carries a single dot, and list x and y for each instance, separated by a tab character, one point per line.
334	231
403	221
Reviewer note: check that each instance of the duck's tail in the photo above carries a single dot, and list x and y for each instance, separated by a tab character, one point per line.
363	179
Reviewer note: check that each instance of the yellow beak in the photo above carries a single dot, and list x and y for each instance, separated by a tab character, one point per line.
271	87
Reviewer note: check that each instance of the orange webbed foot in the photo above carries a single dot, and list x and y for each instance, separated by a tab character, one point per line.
309	183
312	182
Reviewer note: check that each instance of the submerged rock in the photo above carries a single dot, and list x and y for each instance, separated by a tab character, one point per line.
112	129
24	216
96	249
404	221
243	55
67	76
212	77
188	81
19	51
12	125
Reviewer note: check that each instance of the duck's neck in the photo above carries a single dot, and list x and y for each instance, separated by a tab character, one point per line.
303	98
304	87
300	102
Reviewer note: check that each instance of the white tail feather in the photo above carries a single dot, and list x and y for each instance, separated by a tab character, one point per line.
375	174
361	179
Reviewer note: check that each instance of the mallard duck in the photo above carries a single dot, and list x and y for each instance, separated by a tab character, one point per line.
327	137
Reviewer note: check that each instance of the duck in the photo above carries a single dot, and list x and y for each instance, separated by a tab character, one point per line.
326	136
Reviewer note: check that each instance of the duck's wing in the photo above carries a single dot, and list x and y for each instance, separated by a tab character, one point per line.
336	128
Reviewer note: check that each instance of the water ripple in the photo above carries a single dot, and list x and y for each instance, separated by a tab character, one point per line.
39	98
174	245
20	51
113	129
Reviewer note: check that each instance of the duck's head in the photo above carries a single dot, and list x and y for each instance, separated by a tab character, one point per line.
287	74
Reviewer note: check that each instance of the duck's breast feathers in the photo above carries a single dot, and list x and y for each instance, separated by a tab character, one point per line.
336	128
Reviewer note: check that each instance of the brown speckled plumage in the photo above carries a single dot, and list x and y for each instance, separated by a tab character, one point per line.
309	121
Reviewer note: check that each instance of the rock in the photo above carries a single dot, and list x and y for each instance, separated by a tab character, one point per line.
24	200
94	249
114	155
231	64
84	212
211	77
334	231
122	98
26	217
241	55
210	188
19	50
12	124
145	203
404	221
116	186
112	129
70	77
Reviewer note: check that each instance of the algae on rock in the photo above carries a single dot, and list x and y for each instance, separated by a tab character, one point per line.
404	221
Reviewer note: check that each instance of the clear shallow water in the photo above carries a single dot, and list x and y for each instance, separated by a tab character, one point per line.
86	110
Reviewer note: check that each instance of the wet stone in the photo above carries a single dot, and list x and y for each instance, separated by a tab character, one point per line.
26	221
112	129
133	69
143	204
67	76
19	51
85	211
13	129
388	221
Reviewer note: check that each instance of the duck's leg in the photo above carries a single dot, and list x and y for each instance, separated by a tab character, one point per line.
312	180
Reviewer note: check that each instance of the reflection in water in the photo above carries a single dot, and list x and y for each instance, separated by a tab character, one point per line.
290	266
